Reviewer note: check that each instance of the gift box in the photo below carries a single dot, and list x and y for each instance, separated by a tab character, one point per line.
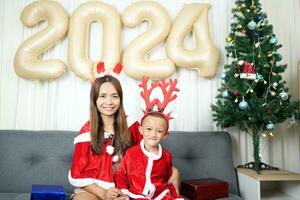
204	189
48	192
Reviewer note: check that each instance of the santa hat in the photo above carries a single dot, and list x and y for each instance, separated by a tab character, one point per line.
248	71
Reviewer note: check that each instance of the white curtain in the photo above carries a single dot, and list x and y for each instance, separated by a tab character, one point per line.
62	104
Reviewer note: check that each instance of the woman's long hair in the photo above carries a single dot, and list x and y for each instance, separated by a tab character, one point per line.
122	136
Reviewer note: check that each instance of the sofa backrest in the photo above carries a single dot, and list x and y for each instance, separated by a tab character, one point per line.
34	157
44	157
203	155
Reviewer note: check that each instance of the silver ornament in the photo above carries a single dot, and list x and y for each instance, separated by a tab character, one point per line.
284	96
252	25
243	105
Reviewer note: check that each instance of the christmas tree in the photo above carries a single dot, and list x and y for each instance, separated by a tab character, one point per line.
253	97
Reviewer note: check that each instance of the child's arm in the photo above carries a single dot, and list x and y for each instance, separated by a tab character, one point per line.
175	179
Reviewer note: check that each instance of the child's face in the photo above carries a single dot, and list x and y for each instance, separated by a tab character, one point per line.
108	101
153	129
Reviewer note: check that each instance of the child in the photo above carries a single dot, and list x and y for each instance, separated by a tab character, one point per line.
146	168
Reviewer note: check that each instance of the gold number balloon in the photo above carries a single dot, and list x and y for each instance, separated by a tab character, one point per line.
81	18
134	61
205	56
26	62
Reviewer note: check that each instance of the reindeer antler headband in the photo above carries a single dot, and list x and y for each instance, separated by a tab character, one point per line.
167	88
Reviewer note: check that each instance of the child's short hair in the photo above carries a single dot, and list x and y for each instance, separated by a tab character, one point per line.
157	114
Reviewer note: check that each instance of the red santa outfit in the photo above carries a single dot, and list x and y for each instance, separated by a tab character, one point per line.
90	168
144	175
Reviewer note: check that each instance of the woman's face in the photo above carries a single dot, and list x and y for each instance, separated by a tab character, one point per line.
108	101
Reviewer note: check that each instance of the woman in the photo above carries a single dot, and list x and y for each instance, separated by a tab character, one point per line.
101	143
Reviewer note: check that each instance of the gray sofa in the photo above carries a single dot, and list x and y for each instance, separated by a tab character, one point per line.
44	157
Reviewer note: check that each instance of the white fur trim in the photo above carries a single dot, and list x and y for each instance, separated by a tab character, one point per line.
131	195
149	154
81	182
130	121
149	188
161	195
84	137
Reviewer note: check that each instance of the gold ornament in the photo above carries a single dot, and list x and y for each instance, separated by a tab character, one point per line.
238	8
229	39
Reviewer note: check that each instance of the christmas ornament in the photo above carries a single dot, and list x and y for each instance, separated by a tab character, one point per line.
260	18
252	7
225	94
229	39
238	7
223	75
236	92
248	71
273	40
269	111
243	105
275	84
256	34
241	62
259	77
240	34
270	126
284	96
251	25
273	93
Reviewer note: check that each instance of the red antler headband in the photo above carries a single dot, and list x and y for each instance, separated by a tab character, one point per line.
167	88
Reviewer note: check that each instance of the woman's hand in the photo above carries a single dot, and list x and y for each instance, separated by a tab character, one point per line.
113	193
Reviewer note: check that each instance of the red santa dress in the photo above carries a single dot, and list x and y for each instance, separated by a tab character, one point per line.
145	175
89	168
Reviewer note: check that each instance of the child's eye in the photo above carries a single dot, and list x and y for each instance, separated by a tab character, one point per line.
160	131
148	129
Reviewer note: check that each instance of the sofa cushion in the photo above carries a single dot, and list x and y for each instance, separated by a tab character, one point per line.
34	157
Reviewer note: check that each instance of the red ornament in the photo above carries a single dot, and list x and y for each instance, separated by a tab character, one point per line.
236	92
226	86
270	111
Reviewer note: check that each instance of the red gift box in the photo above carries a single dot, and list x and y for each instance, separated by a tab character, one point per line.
204	189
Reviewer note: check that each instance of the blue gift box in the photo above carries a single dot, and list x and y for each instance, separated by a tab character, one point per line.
48	192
